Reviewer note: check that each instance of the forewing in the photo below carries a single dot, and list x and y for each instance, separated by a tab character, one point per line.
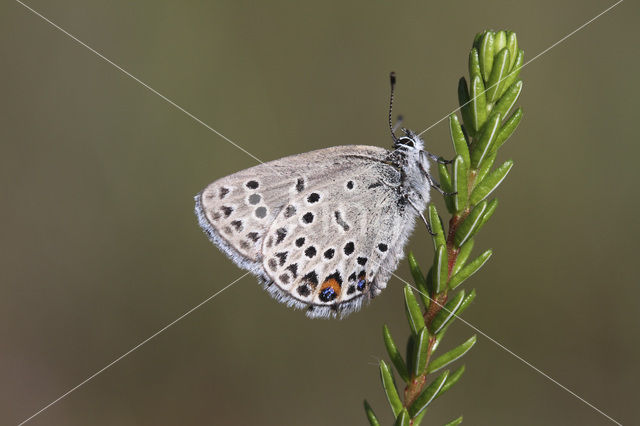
237	210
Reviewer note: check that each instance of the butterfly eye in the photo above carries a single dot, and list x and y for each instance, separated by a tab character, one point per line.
406	142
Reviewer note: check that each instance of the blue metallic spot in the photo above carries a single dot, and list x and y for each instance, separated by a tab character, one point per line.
327	294
361	284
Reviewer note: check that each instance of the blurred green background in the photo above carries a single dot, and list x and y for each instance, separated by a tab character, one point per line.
100	247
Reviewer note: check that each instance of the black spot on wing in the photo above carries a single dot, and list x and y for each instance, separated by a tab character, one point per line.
310	252
282	256
349	248
280	234
311	278
307	218
328	254
294	269
227	210
285	278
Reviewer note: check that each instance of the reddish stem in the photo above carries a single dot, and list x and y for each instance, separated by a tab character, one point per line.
416	385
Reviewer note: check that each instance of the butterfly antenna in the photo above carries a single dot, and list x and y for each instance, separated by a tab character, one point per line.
392	79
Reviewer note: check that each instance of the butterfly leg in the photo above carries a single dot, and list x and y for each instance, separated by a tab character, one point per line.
437	186
426	222
437	159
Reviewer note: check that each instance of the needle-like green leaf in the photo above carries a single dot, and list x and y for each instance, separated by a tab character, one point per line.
478	37
499	41
445	183
413	311
452	379
512	45
463	255
436	226
466	302
440	269
430	285
455	422
447	313
459	140
474	64
418	419
403	419
419	279
490	183
508	99
439	337
371	416
451	356
394	354
478	103
464	99
390	388
459	174
513	73
420	351
499	73
486	166
469	270
491	207
482	147
485	52
427	395
468	227
507	129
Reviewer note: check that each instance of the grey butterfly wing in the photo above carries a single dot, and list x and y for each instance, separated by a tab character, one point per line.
258	214
335	243
235	211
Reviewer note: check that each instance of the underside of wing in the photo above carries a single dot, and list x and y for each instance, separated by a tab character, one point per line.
319	229
235	211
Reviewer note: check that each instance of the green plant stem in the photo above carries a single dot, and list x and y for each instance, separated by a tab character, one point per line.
494	63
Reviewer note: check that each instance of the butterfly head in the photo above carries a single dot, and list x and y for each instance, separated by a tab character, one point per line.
408	143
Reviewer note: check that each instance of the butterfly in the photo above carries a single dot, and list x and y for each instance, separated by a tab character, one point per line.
323	230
